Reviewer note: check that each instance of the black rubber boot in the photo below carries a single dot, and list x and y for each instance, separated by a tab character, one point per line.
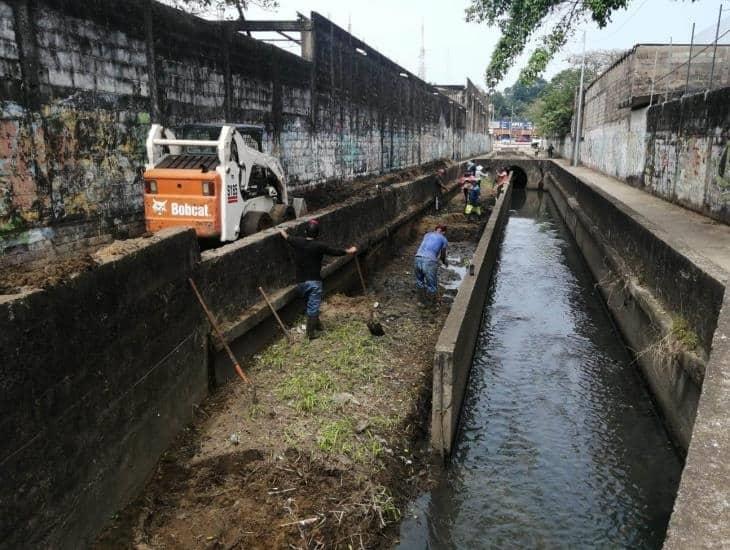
312	328
318	324
421	297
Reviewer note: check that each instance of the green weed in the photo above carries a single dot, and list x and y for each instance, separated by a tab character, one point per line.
684	334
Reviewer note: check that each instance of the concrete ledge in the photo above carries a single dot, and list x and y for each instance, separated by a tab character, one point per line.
455	346
701	517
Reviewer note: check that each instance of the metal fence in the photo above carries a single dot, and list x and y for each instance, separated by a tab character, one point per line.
702	65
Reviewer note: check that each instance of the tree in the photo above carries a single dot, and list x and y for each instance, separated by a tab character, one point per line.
553	111
198	7
520	20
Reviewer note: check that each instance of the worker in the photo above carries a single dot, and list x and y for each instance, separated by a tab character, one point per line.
473	205
432	249
481	173
550	151
440	189
466	182
308	254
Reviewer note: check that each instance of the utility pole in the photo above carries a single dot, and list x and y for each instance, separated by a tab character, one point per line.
689	60
579	121
714	49
511	116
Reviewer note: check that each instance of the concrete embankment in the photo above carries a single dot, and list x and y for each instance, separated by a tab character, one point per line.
106	368
455	345
664	298
672	309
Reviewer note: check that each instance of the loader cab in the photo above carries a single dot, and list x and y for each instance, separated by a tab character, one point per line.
253	135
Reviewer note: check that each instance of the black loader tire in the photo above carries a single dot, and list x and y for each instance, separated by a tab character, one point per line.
282	213
253	222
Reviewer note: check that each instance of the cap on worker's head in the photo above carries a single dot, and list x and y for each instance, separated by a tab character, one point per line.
311	230
442	171
441	227
480	167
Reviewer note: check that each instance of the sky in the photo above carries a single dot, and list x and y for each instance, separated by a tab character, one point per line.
456	49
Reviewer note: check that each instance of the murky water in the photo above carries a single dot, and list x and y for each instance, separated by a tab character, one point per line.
560	445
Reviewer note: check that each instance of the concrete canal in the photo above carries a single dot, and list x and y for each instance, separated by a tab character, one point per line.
560	444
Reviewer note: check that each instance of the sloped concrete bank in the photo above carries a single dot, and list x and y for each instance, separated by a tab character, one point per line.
103	370
455	346
664	298
672	310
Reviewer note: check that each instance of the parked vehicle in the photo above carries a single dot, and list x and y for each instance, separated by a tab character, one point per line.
214	179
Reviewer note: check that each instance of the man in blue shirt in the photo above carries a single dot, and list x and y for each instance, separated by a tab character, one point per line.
432	249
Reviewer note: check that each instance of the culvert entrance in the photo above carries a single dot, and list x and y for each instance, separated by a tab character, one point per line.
519	177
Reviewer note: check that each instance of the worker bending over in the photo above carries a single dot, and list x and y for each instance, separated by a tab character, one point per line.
308	254
432	249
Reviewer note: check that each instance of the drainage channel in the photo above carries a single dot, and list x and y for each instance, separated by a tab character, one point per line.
560	444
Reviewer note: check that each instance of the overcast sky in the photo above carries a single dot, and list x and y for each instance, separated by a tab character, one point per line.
456	49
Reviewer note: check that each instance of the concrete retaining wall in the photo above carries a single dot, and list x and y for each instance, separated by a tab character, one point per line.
101	372
701	510
455	346
98	376
650	284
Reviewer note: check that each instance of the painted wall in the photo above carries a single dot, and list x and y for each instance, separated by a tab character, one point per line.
81	82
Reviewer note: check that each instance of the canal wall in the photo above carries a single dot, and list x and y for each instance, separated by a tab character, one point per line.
455	345
80	83
677	150
701	509
664	298
101	371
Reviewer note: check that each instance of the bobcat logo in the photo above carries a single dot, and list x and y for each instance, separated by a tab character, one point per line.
159	207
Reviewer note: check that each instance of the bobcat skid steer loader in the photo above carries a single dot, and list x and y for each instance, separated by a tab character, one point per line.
214	181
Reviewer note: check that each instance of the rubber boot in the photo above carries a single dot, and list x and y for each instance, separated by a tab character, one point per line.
312	328
318	324
421	297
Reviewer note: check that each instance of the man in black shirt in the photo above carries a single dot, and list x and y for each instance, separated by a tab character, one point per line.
308	254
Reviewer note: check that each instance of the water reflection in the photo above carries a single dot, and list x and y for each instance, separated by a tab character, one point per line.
560	445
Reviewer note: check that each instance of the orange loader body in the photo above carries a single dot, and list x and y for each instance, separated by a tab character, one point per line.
180	202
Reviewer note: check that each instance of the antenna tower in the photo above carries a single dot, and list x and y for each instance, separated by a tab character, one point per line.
422	56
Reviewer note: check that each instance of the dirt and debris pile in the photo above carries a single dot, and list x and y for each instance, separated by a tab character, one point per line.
15	279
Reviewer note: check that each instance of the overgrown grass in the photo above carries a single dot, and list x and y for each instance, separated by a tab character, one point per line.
339	437
342	359
309	391
684	334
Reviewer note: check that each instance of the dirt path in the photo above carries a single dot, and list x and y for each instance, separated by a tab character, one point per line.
329	449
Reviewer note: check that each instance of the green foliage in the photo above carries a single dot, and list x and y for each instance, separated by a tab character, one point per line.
520	20
553	111
517	97
237	7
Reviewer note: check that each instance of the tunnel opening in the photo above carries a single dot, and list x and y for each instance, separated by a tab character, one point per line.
519	177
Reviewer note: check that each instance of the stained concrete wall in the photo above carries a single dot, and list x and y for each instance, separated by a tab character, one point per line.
455	345
636	267
701	509
81	82
98	375
100	372
687	152
676	150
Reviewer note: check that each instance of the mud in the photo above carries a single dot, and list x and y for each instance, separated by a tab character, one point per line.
18	278
330	445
